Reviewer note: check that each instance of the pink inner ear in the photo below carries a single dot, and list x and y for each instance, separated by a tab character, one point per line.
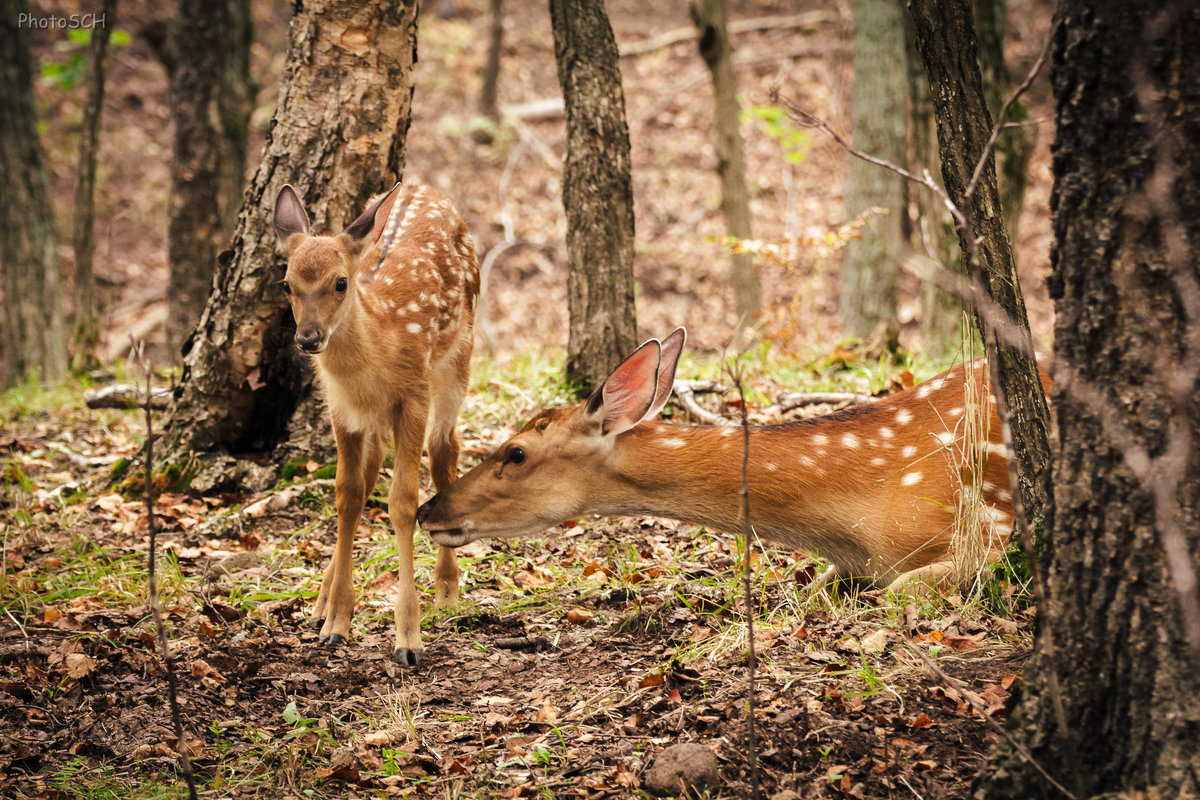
381	215
630	388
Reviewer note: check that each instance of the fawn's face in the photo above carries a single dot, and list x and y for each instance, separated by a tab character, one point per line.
319	286
319	282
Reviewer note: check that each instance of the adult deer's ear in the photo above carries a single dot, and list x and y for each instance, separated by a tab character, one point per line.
626	395
672	346
290	217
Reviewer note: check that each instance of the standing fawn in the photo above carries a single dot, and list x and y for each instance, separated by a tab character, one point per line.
386	309
872	488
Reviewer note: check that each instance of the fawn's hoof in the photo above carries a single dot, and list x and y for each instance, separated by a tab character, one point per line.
334	639
316	623
407	658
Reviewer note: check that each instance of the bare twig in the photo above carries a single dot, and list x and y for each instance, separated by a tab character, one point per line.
735	374
1000	124
185	761
1020	748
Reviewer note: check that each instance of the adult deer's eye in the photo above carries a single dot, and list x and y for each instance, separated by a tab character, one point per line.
287	287
340	285
515	455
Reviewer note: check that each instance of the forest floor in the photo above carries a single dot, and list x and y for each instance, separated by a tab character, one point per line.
636	627
572	661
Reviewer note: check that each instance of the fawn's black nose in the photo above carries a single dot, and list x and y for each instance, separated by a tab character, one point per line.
309	340
424	509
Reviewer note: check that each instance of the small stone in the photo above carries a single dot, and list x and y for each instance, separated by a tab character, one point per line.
688	767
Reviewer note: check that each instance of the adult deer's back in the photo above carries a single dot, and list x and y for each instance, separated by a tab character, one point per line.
877	489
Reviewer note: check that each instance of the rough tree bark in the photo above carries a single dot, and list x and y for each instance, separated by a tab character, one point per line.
597	193
338	136
945	33
1111	698
209	52
35	335
710	17
85	327
870	265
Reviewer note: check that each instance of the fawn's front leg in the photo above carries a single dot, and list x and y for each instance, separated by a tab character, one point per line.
335	602
402	508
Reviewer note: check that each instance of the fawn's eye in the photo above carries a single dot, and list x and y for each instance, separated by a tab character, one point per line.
287	287
515	455
340	285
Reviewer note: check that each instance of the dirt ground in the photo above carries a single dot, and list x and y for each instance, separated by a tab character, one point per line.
576	659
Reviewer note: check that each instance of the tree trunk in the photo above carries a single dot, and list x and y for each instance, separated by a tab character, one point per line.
1111	698
710	17
488	105
209	104
337	136
35	336
597	193
932	235
870	265
85	330
1015	147
945	34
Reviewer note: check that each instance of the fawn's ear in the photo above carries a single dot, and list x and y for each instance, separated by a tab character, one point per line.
672	346
290	216
376	212
625	396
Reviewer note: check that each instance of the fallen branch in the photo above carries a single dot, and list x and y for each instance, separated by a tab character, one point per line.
789	400
125	395
685	395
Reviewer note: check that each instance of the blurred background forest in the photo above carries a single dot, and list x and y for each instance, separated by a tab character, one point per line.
504	172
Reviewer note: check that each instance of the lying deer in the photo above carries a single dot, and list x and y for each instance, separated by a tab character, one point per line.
386	310
871	488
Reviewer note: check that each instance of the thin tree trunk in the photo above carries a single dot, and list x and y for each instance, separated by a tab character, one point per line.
870	265
597	193
338	136
209	105
945	34
1015	147
85	332
933	236
491	72
35	336
711	17
1110	702
236	103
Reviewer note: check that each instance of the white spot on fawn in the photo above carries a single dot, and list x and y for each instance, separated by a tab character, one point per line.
956	412
909	451
945	438
924	391
903	416
770	467
850	441
806	461
820	438
886	433
911	478
413	327
878	462
676	443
